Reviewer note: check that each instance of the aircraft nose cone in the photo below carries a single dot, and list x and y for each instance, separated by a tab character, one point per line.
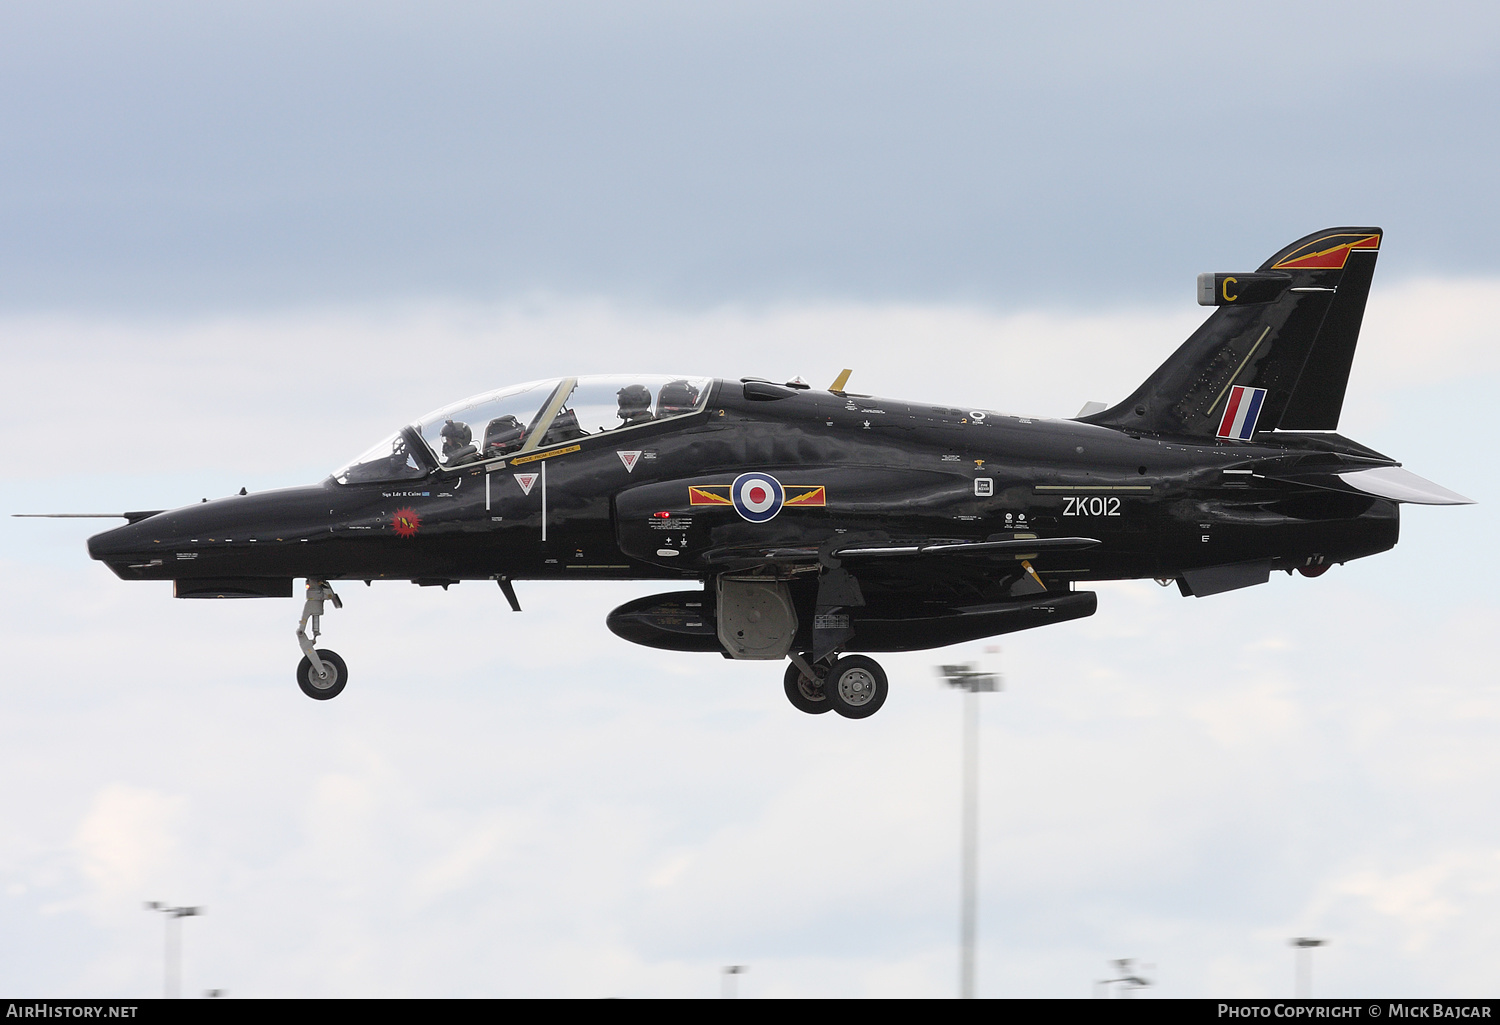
121	547
110	542
233	537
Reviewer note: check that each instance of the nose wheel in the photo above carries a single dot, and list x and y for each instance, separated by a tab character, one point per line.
321	674
330	684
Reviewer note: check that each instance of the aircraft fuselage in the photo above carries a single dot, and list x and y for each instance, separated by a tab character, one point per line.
887	470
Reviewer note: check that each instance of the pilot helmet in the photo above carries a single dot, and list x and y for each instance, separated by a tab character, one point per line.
635	399
456	435
676	397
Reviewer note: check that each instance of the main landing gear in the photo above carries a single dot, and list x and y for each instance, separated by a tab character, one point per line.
322	674
853	686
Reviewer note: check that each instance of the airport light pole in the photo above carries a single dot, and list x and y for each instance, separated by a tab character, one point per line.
172	968
1304	946
730	991
973	683
1128	982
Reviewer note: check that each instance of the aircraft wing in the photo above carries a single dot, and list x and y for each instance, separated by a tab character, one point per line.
1014	548
1011	546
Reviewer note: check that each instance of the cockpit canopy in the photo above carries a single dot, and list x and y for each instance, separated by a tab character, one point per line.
525	418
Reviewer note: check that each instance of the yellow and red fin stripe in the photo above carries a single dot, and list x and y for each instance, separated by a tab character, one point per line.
806	495
709	494
1330	252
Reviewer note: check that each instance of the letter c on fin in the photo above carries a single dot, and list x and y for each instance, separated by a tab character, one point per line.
1225	290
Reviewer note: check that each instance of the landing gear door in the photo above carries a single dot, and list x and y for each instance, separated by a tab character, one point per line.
756	617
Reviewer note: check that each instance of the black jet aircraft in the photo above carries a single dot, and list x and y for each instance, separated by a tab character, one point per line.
817	525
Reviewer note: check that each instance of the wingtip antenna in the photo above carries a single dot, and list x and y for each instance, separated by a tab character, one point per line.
840	381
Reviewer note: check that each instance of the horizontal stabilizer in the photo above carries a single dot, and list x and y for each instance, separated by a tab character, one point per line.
1402	486
1200	583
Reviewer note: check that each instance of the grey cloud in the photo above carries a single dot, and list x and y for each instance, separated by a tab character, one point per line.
178	156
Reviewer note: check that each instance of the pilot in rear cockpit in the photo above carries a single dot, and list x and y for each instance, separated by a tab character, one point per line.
676	397
504	434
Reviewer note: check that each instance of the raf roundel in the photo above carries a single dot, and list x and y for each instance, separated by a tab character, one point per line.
757	497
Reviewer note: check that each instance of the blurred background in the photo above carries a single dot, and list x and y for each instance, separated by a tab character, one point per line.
241	243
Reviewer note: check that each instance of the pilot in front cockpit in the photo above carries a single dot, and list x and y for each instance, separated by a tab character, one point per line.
456	435
635	404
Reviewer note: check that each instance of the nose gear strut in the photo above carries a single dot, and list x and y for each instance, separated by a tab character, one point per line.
322	674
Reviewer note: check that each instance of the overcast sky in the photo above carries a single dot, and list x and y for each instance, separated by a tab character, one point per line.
240	243
173	156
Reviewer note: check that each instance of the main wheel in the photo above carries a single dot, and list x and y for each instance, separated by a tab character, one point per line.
806	695
322	690
856	686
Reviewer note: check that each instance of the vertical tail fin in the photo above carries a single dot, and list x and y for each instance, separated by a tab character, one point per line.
1275	354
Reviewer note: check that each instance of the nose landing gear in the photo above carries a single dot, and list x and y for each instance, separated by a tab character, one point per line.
321	674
